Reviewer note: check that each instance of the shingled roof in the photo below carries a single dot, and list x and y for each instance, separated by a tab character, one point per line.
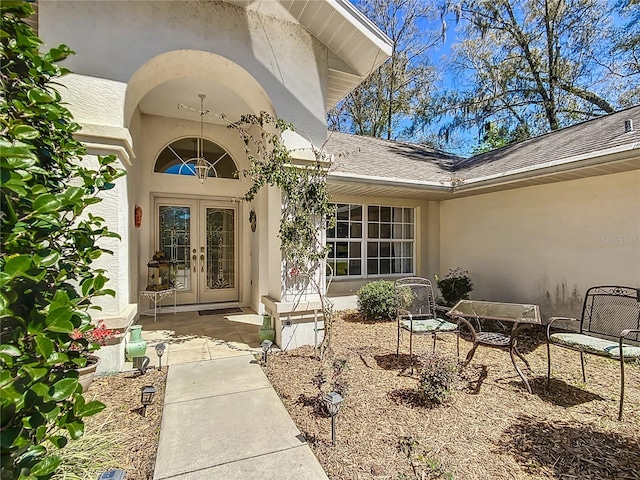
600	138
375	157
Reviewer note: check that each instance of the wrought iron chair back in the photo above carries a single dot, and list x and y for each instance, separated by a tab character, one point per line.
609	310
416	313
414	297
609	327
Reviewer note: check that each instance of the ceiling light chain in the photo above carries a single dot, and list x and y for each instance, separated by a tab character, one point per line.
202	166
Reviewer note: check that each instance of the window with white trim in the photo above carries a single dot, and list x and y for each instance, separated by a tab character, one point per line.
372	240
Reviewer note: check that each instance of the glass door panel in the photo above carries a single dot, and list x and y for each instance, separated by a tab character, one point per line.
220	252
219	281
174	225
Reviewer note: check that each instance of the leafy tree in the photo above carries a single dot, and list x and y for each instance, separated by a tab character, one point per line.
389	96
626	49
49	241
500	136
537	63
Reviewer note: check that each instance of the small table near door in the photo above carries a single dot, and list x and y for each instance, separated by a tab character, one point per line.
156	297
521	316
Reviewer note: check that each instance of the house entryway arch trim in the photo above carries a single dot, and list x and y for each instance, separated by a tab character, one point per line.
195	64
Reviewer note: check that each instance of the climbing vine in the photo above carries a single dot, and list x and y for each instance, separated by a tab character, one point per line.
306	207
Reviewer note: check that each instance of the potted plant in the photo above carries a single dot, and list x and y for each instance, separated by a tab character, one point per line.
86	342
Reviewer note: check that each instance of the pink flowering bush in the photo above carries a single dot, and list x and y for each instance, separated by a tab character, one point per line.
92	339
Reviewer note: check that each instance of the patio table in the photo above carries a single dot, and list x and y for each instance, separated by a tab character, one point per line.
521	316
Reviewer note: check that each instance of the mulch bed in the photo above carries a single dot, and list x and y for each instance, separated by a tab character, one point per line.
491	429
135	451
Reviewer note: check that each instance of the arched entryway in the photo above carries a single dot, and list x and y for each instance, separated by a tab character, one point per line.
200	226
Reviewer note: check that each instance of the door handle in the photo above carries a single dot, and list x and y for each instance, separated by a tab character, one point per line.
202	263
195	262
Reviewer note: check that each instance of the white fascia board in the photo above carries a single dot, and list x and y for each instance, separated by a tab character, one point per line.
359	20
578	161
340	177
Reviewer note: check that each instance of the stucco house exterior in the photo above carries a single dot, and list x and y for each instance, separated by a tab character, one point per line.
537	222
135	63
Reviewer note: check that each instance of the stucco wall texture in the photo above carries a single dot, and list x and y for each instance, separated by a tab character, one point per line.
546	244
285	59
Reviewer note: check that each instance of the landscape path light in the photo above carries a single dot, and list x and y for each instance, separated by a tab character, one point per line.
160	351
333	401
146	397
116	474
266	346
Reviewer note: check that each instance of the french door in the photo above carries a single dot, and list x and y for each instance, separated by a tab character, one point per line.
199	238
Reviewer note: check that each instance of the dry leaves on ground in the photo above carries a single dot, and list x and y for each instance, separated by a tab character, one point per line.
120	436
492	428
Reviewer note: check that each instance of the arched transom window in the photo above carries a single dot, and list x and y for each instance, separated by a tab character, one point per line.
179	158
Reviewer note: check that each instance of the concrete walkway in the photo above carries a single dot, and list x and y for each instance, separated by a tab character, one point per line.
222	419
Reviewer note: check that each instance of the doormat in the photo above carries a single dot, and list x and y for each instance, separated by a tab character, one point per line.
220	311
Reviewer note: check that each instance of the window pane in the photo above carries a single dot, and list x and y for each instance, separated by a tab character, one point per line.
407	265
397	214
342	268
374	230
356	212
331	233
372	249
407	249
385	266
342	250
330	268
385	230
343	212
396	266
408	231
372	267
408	215
374	214
385	249
332	250
356	230
397	231
396	249
354	267
385	214
354	250
343	229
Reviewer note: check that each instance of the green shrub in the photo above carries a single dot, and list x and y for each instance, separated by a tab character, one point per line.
377	300
454	286
436	378
49	241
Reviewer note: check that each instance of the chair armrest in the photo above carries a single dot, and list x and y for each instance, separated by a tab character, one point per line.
626	332
571	319
404	313
564	319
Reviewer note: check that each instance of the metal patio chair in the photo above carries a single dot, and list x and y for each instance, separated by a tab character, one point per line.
416	313
609	327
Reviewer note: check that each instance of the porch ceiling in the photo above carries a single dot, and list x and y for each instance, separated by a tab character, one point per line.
356	45
163	100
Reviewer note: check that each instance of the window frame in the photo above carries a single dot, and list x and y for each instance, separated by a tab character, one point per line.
364	240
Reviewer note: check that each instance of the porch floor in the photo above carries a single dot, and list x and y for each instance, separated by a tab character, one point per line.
190	337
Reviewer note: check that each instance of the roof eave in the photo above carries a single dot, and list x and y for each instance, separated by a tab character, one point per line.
600	157
436	186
